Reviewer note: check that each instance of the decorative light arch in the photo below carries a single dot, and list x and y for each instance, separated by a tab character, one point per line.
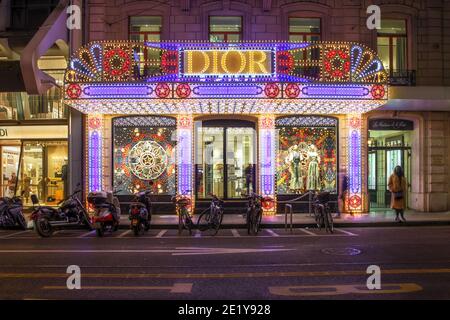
106	77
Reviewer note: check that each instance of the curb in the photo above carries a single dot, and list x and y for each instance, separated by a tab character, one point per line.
312	225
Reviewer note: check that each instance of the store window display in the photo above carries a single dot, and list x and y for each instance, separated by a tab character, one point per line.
41	171
307	154
144	154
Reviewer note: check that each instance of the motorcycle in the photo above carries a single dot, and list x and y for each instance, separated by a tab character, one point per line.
140	213
106	211
70	214
11	213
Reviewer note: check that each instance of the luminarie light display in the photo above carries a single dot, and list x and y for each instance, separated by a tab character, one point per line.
190	79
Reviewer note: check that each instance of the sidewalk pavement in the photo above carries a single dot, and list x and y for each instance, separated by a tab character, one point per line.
373	219
303	220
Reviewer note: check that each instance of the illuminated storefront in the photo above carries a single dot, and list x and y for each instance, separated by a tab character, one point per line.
226	118
34	161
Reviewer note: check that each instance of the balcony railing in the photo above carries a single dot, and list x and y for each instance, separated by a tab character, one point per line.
402	77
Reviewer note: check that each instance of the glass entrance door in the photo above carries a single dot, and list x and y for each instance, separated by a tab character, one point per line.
225	161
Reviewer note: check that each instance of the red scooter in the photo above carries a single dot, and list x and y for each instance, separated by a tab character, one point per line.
106	212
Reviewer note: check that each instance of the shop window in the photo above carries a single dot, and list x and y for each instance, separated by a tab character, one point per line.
43	171
305	30
225	29
306	154
392	45
22	106
10	163
143	29
144	154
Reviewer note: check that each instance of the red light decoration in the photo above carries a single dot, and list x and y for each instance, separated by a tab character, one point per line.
267	123
337	64
285	62
183	90
73	91
169	62
162	90
355	122
377	91
94	123
116	62
292	90
184	122
271	90
267	203
354	202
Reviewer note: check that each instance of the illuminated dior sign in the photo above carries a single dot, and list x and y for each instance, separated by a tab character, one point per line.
232	62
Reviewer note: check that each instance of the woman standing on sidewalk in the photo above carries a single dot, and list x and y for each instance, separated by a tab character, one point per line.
397	187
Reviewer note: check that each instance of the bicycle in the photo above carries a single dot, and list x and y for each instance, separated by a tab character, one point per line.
322	211
211	218
185	221
254	213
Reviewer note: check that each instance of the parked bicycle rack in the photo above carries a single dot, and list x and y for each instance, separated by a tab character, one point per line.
288	207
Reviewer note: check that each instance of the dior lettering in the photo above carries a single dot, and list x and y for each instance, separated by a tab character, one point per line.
3	132
221	62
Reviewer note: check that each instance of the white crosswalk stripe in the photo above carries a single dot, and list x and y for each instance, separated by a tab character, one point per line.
235	233
307	232
161	233
272	233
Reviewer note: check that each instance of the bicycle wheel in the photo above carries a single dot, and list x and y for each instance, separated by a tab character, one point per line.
249	221
203	221
330	221
187	221
218	218
316	216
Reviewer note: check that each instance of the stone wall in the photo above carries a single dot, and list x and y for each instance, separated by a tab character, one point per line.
428	22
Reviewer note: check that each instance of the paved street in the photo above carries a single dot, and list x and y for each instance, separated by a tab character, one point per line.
307	264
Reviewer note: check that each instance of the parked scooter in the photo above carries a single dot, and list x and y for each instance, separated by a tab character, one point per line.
11	213
140	212
70	214
106	211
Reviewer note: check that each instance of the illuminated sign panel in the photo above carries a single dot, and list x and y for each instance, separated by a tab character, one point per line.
232	62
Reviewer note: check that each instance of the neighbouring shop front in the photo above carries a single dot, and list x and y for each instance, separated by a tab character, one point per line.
389	145
34	160
226	119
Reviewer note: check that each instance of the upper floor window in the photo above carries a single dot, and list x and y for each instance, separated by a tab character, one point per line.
305	29
225	29
145	28
392	45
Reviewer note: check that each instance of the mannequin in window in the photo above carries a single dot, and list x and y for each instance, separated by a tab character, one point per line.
313	179
294	161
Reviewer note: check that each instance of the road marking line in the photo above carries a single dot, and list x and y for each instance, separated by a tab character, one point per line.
331	290
84	235
345	231
15	234
235	233
123	234
272	233
161	233
308	232
215	237
176	288
223	275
